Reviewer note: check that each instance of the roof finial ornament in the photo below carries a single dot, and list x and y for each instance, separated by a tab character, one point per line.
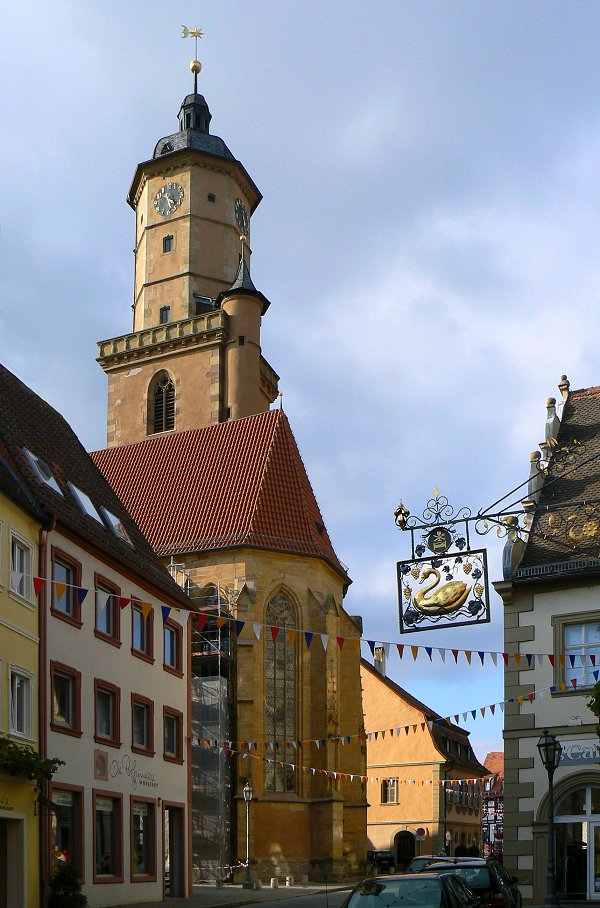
195	64
280	396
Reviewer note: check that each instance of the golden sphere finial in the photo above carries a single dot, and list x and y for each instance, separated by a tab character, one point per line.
195	66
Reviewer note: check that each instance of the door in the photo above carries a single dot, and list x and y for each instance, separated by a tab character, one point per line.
174	851
12	866
594	862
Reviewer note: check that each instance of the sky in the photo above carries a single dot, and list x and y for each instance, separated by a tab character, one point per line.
428	239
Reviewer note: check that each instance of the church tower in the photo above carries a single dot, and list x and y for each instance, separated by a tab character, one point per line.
193	357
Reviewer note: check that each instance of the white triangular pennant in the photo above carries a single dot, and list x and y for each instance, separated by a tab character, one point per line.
324	640
257	630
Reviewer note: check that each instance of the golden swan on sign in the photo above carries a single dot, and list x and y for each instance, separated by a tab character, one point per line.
446	598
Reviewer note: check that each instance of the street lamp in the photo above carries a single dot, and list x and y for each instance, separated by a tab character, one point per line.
550	750
247	884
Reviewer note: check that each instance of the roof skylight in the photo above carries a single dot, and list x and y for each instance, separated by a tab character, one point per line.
42	471
116	525
85	503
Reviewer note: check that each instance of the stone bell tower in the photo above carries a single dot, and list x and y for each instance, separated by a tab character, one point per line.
193	356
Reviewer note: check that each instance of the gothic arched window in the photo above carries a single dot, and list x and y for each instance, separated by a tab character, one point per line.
161	401
280	694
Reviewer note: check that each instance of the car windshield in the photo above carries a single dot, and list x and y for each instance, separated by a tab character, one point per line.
379	893
474	877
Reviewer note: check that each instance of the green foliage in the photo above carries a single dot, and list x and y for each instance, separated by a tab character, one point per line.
594	703
24	761
65	888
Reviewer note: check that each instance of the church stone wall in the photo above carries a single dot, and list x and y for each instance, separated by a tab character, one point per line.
196	375
320	830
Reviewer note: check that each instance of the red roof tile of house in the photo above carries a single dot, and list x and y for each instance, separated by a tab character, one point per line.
495	762
238	483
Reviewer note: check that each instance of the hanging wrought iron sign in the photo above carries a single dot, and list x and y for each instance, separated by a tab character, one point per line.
436	592
448	586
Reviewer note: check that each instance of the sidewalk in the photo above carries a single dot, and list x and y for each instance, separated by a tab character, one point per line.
207	896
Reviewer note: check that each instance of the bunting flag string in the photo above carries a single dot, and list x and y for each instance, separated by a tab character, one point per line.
224	747
201	619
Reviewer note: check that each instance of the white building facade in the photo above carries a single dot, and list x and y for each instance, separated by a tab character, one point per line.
551	597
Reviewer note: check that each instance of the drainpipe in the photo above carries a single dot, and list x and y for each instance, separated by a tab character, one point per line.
42	707
447	768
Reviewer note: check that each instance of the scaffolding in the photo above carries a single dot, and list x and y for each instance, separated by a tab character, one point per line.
211	780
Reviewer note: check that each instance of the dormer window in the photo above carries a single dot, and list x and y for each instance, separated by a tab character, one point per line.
42	471
85	502
116	525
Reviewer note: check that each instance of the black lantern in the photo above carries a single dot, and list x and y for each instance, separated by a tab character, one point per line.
550	752
247	884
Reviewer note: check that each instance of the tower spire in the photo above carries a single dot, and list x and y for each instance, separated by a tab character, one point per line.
195	64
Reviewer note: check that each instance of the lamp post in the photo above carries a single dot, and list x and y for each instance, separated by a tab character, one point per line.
550	750
247	884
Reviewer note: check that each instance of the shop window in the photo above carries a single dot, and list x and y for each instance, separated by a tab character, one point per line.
107	699
66	833
143	839
65	684
108	857
173	735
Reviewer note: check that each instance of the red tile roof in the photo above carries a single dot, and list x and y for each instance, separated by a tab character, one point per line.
495	762
238	483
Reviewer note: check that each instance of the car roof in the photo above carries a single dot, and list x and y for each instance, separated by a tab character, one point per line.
472	862
405	876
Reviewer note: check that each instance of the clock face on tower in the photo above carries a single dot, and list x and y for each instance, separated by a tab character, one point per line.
168	199
241	216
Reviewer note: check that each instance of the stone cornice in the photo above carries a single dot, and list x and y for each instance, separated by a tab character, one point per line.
192	158
159	340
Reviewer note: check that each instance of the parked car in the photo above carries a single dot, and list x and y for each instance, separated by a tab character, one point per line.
422	860
488	879
413	890
381	861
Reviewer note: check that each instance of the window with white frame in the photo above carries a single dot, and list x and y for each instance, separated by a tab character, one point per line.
389	791
21	702
20	566
577	639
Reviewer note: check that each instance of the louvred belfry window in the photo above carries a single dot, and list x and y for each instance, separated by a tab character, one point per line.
280	695
164	404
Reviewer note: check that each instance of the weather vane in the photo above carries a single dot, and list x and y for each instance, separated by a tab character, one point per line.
195	64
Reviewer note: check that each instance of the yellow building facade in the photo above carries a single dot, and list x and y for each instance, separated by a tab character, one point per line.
20	526
413	754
